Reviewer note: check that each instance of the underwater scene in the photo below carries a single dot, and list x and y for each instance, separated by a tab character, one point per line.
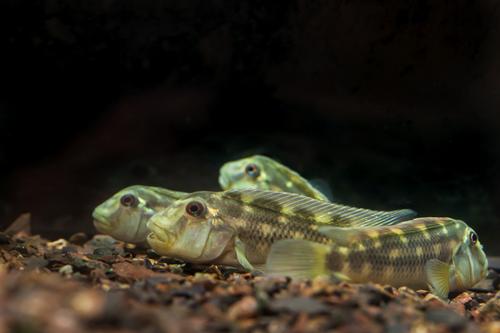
251	166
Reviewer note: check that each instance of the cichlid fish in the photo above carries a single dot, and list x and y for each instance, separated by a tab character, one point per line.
442	254
263	173
124	215
237	227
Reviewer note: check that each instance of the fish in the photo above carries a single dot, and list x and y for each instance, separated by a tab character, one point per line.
436	253
125	214
264	173
237	227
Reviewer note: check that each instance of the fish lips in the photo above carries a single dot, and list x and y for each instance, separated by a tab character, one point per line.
200	244
101	223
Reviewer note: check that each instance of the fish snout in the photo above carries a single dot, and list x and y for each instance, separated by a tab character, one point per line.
102	226
101	222
224	181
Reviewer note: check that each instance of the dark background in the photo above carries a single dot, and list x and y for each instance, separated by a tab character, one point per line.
394	103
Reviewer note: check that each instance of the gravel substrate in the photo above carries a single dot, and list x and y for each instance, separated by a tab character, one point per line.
102	285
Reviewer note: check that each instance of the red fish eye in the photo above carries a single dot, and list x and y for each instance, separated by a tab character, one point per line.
252	170
195	208
129	200
473	238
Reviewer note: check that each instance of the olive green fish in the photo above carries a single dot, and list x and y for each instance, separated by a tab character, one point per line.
264	173
442	254
237	227
124	215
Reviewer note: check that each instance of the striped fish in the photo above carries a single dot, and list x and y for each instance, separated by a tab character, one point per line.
264	173
238	227
441	254
124	215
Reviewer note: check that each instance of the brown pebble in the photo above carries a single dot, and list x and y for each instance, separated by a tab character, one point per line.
244	308
79	238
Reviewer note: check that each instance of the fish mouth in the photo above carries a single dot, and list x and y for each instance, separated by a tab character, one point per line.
160	234
101	223
158	244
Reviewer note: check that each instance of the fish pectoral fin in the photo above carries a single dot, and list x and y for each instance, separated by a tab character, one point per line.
438	277
299	259
241	256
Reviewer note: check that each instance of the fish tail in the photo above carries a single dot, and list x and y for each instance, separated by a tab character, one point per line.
298	259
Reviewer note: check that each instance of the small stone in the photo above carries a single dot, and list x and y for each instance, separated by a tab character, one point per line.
57	244
300	305
88	304
491	310
459	302
36	262
79	238
244	308
66	270
447	317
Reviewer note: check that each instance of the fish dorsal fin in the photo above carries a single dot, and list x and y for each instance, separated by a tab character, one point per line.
438	277
291	204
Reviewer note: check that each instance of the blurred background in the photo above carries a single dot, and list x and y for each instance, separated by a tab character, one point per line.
393	103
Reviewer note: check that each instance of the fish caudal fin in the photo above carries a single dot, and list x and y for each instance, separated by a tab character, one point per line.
298	259
438	277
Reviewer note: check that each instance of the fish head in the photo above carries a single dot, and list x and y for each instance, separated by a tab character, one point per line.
250	172
124	215
469	260
189	229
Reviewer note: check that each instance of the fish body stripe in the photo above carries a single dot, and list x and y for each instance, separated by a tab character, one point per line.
392	253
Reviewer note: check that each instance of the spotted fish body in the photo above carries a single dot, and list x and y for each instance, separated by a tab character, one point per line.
441	253
125	214
263	173
251	221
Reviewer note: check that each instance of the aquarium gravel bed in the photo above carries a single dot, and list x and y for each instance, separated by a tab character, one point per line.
98	284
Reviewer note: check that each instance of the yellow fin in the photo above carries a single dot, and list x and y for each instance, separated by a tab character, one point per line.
438	277
291	204
298	259
241	256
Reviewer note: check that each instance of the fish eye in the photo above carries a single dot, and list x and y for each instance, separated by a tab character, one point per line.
252	170
129	200
473	238
195	208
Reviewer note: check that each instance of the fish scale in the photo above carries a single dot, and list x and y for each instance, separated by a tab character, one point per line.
259	231
399	252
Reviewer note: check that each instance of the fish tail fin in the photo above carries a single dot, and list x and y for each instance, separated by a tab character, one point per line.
298	259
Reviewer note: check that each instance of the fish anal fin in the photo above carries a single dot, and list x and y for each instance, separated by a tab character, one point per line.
438	277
